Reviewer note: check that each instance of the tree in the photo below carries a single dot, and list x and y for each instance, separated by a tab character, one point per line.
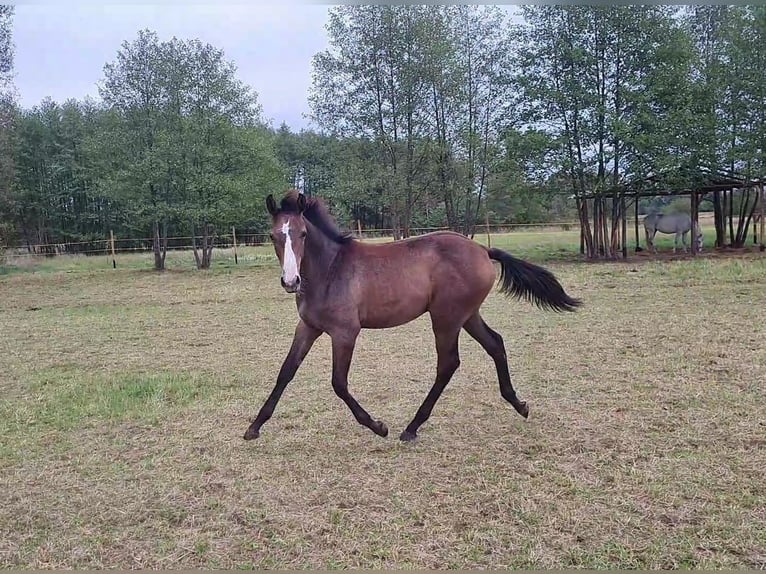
524	187
482	102
430	87
743	110
707	27
136	86
309	160
186	141
55	192
730	59
217	148
6	46
7	115
369	84
611	84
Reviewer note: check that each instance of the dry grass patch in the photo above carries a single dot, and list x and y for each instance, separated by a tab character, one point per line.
125	395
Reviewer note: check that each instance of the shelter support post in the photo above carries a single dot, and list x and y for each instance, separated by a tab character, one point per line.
763	217
635	221
624	225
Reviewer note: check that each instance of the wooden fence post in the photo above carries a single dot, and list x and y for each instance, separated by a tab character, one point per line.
234	237
486	222
111	241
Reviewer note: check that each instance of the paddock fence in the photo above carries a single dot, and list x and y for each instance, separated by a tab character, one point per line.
119	245
112	245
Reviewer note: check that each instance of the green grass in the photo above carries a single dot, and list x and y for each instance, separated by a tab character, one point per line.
176	259
124	395
72	398
62	399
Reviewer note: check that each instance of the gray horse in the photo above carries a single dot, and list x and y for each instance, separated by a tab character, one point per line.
678	223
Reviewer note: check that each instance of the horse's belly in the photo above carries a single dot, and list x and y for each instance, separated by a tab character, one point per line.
387	307
392	313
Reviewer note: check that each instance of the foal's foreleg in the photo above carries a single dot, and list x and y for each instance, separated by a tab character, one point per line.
342	352
493	344
303	340
447	362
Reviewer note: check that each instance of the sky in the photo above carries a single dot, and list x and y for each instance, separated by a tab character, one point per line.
61	49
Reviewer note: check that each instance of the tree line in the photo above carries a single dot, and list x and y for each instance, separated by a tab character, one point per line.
425	115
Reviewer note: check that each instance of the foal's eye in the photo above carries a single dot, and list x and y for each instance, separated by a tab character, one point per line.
303	234
271	236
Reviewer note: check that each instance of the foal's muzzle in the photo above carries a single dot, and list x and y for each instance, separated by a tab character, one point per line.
291	287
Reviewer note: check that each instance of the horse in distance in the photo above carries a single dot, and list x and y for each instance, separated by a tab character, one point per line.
678	223
342	285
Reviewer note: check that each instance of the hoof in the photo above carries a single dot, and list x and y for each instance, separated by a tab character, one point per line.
251	433
379	428
407	436
523	409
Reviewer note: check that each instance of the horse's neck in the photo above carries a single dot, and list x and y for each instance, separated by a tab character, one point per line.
319	254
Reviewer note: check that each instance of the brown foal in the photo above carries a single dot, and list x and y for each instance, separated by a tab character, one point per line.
342	286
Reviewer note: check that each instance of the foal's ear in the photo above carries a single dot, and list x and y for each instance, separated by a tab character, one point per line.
301	202
271	205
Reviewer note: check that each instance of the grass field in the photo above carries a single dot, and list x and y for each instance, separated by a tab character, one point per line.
125	394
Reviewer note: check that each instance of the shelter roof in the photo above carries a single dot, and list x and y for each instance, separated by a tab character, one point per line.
682	181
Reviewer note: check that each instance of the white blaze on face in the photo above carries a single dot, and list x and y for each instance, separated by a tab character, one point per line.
290	264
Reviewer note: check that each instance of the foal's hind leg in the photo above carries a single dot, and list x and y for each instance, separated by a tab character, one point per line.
447	362
493	344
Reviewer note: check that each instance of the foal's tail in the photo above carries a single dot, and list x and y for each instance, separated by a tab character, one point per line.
531	282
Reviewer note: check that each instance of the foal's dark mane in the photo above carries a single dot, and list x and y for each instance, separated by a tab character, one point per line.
317	214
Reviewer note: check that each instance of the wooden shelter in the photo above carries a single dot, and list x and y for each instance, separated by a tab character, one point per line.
697	184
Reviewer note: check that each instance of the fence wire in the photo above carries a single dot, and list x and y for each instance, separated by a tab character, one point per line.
124	245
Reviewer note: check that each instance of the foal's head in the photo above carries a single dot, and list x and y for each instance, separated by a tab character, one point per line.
291	222
288	234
